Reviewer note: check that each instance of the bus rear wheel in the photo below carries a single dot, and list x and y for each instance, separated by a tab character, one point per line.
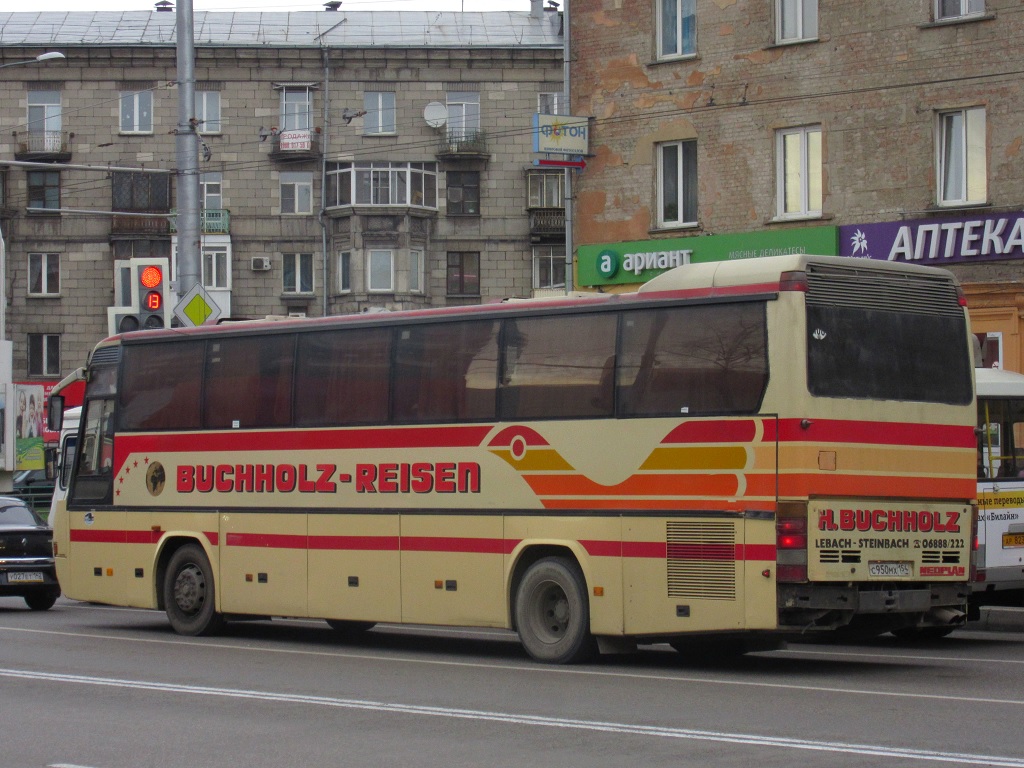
189	593
552	612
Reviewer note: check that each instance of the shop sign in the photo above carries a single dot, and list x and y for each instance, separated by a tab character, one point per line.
639	261
561	134
936	242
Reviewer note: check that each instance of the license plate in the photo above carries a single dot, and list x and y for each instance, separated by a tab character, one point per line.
23	577
1013	539
889	570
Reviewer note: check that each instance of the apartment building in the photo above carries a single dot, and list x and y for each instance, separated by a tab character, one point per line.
350	161
738	129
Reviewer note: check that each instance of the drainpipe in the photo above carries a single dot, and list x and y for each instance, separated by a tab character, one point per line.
324	143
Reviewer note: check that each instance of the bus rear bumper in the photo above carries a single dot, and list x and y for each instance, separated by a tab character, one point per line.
828	606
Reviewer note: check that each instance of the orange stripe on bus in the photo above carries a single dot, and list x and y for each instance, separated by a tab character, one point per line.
637	485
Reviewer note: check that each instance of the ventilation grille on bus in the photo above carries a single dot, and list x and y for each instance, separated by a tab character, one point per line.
928	556
108	355
842	286
940	556
701	560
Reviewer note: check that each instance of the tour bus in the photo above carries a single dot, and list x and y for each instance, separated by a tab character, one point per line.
1000	566
738	451
63	458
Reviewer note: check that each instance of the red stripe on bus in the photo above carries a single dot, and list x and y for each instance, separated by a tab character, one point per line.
457	544
92	536
870	432
353	543
731	431
866	486
266	540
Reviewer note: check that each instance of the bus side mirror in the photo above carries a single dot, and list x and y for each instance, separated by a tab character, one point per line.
54	414
51	463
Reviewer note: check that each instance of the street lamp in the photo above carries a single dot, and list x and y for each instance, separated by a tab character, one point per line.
48	56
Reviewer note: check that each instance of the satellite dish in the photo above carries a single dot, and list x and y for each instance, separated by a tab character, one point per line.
436	114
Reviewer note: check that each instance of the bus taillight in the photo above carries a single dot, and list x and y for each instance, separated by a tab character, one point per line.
791	542
793	281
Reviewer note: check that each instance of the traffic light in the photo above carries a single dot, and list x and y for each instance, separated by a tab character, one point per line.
141	291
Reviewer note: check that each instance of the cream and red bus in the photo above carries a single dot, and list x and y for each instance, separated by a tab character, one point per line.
738	450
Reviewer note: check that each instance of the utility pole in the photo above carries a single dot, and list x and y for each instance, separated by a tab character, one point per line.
187	153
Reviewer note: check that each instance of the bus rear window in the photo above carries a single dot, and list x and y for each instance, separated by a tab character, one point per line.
883	355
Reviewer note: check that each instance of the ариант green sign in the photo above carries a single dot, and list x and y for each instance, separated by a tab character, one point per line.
638	262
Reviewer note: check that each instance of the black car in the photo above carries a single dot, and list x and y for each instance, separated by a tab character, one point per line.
34	488
26	556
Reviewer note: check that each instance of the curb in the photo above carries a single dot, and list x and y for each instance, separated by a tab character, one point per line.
999	619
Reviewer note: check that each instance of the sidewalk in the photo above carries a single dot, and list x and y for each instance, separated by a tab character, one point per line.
999	619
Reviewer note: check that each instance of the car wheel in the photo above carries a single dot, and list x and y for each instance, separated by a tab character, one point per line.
41	601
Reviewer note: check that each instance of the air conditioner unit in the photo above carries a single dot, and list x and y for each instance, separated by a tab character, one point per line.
260	263
296	314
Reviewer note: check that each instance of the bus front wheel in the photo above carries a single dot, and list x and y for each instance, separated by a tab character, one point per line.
552	612
189	593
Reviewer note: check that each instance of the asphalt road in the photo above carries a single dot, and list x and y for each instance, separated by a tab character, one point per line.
97	687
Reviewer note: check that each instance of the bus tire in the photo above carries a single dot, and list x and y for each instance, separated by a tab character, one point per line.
552	612
189	594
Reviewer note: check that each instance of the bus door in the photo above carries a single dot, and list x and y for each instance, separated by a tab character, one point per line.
1000	492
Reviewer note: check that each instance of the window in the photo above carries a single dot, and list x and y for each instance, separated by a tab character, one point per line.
343	377
547	190
298	273
208	111
463	115
141	249
141	192
380	112
463	193
296	108
677	28
160	386
677	183
380	270
796	20
44	274
248	382
962	164
344	271
415	271
296	192
549	266
463	273
799	172
558	367
216	267
552	103
210	191
380	182
954	9
44	121
136	112
44	189
44	354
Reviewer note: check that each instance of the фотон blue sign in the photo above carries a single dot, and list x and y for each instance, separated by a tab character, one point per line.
995	237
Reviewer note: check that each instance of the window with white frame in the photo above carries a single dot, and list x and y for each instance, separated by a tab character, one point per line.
216	267
208	111
44	354
955	9
796	20
297	192
298	272
677	28
44	121
345	272
380	112
44	274
463	114
799	172
136	112
381	182
551	103
546	190
210	191
677	183
962	162
296	107
548	266
415	271
380	270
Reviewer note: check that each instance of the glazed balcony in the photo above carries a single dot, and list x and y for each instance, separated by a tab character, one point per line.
213	221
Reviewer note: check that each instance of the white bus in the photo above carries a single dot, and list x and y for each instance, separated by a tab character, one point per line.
1000	558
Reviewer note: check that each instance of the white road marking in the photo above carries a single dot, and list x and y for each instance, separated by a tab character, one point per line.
875	750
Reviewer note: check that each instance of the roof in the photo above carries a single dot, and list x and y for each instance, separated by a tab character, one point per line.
345	29
995	382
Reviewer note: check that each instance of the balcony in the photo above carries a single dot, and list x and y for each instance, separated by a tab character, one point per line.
301	144
213	221
125	223
547	224
43	146
463	144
